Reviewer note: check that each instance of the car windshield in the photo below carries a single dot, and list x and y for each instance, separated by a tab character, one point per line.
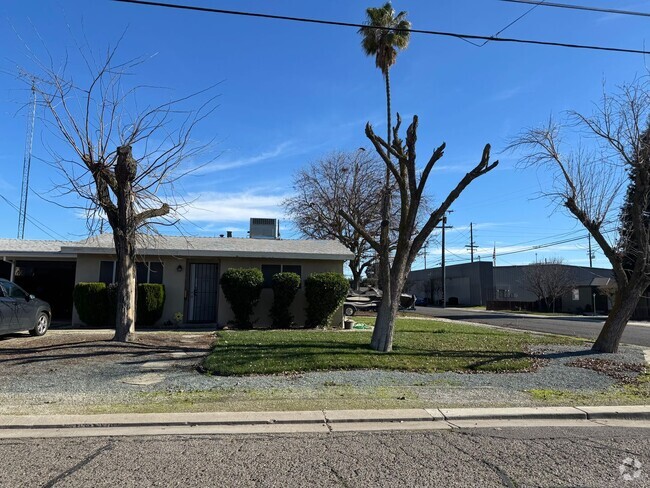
12	290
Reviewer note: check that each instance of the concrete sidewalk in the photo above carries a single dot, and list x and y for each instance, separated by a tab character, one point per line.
318	421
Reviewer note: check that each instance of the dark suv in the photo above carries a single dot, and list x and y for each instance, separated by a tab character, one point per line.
21	311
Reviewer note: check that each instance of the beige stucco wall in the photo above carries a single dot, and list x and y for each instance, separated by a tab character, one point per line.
174	281
176	284
261	312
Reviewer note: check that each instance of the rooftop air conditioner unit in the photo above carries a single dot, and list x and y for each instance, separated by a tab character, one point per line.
265	229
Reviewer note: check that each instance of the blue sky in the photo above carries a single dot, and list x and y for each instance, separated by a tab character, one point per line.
290	93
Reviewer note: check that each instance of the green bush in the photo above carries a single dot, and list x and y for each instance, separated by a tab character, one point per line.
325	293
91	302
242	288
96	303
150	303
111	294
285	287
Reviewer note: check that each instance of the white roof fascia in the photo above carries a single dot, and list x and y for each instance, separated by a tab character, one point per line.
217	254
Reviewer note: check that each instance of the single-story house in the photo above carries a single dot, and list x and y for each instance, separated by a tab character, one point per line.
189	267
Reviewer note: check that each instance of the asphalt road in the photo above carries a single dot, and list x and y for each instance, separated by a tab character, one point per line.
586	327
586	457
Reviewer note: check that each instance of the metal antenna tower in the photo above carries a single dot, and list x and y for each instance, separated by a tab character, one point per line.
27	162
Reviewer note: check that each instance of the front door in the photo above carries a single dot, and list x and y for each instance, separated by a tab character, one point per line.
202	306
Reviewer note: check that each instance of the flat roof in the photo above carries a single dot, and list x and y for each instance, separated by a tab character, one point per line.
183	246
25	248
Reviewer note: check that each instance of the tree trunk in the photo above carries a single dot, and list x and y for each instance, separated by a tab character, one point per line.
355	269
124	235
625	302
388	119
382	335
125	317
356	278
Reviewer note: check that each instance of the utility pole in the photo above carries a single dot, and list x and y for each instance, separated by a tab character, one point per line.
591	254
471	245
444	269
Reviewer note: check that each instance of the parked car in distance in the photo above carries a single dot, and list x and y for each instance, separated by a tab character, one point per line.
21	311
368	299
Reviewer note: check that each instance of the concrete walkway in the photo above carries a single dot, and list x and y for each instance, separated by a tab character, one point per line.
318	421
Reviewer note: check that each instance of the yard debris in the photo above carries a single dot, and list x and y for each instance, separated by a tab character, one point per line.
625	373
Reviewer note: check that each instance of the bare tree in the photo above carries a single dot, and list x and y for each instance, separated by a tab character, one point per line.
396	264
340	180
102	124
548	281
591	184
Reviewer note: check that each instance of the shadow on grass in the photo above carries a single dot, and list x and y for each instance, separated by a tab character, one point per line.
80	350
234	359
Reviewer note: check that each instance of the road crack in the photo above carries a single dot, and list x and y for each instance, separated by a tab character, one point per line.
79	465
505	479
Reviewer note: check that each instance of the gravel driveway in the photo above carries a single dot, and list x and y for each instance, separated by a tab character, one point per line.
69	371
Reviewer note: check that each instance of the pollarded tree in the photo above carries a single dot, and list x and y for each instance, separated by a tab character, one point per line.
121	156
395	262
591	184
340	180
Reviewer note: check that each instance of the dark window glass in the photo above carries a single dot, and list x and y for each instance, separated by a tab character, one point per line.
292	268
106	272
268	270
14	291
141	272
156	272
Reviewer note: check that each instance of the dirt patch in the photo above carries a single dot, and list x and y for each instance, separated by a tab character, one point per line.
21	353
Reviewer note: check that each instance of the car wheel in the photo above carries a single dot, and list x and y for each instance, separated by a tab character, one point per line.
349	310
42	324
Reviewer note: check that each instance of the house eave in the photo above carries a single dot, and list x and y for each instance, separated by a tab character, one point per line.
199	253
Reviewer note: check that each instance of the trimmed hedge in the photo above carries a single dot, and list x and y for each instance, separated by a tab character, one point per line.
242	288
150	303
91	302
325	293
96	303
285	287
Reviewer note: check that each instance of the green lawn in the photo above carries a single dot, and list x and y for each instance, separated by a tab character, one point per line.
419	345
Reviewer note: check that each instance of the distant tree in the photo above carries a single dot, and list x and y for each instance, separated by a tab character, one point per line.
591	184
548	281
341	180
395	261
102	123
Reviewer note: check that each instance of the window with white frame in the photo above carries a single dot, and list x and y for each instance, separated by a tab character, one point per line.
145	272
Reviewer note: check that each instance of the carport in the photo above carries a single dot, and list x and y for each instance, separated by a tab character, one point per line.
41	269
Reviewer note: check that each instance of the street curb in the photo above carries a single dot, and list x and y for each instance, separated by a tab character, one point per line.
324	417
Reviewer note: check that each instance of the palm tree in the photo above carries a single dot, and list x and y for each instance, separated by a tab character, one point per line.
384	33
383	36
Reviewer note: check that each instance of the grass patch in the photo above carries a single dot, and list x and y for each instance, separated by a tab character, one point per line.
419	345
635	393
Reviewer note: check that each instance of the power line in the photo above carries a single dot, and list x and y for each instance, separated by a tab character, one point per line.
581	7
412	31
39	225
535	5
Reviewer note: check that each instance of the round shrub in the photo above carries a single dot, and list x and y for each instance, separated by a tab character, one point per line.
150	303
285	287
325	293
242	288
91	302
